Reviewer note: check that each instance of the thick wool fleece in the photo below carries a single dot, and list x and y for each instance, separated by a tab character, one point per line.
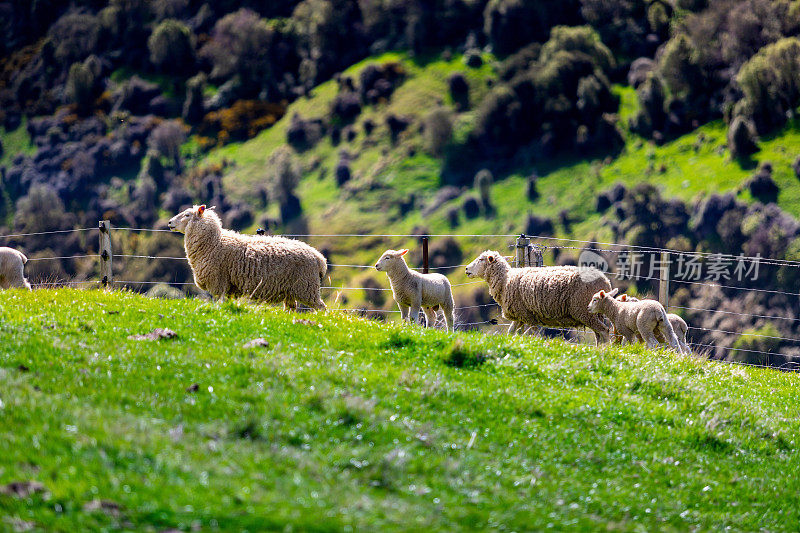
11	269
267	269
634	320
413	290
678	324
545	296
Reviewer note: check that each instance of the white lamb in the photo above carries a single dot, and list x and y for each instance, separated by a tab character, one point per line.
635	319
544	296
11	269
268	269
678	325
412	290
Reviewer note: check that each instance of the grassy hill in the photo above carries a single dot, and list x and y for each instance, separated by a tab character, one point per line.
342	423
386	174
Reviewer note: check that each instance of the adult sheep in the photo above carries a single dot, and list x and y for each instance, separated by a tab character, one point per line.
11	269
267	269
545	296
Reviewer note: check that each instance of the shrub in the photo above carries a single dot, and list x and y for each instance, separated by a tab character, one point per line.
438	130
472	207
483	182
536	225
75	36
770	81
510	24
679	68
193	108
166	139
377	82
283	176
531	192
346	106
459	90
240	45
762	185
397	125
795	167
304	134
171	47
742	138
472	58
80	89
342	172
243	120
444	253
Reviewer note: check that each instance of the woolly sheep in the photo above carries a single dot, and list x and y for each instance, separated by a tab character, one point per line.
412	290
268	269
632	319
11	269
678	325
546	296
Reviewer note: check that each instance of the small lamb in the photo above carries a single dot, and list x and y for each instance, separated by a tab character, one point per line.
412	290
544	296
11	269
632	319
266	269
678	325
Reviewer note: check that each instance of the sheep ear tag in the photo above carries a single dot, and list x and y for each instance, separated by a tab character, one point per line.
602	294
404	251
490	259
201	210
624	298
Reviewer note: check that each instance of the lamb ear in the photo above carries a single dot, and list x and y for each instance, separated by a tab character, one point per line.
614	292
201	210
404	251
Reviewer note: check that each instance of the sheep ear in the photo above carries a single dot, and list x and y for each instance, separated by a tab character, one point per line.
404	251
614	292
201	210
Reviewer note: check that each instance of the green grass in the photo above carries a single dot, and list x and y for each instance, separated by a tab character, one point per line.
15	142
343	423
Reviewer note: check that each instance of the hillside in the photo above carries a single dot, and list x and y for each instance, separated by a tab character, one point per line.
402	429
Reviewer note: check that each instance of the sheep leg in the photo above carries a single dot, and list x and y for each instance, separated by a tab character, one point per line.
413	315
600	328
403	311
515	326
449	319
430	317
669	334
289	305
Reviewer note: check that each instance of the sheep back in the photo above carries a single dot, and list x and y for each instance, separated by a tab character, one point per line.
552	296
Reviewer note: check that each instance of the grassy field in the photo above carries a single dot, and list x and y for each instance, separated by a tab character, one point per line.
343	424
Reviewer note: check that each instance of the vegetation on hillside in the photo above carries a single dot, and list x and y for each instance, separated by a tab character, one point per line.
340	422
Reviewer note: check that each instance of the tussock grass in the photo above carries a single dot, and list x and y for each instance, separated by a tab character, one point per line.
352	424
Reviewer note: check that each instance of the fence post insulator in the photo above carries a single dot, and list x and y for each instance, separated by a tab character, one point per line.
261	231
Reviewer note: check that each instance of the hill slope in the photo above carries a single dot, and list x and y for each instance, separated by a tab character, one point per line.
343	422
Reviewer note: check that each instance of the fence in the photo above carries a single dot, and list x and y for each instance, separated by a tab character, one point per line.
526	253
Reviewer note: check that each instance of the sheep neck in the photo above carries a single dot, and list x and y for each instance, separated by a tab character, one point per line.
202	237
496	278
610	307
398	271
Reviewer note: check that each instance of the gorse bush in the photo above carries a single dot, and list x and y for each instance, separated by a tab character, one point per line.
438	130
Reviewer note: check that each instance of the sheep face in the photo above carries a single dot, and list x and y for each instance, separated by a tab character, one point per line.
477	269
181	220
389	257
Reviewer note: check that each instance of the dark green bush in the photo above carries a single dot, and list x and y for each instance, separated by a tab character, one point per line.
171	47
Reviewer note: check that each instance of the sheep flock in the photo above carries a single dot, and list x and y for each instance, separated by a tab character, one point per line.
273	270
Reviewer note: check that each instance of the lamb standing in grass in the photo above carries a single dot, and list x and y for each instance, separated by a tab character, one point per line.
632	319
267	269
11	269
678	324
412	290
544	296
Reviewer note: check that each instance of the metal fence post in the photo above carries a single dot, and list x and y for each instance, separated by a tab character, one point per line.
663	282
522	246
425	255
106	275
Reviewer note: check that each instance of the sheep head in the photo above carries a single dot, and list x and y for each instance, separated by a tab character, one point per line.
180	221
599	299
479	267
389	258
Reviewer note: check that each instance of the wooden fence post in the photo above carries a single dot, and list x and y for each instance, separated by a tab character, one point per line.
425	255
106	275
535	257
522	247
663	282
